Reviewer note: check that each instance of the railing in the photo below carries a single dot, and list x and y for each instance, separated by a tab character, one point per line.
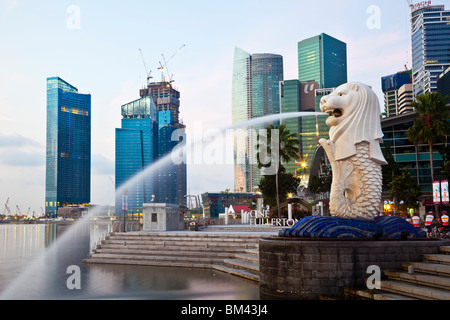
117	226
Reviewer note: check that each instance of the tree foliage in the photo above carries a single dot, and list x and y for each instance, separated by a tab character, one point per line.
287	183
431	125
405	188
287	150
322	183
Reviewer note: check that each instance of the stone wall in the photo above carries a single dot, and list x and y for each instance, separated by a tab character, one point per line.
308	269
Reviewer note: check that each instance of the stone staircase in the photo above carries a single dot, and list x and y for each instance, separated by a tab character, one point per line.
236	253
426	280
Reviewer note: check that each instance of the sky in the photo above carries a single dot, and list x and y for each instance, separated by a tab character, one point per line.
96	46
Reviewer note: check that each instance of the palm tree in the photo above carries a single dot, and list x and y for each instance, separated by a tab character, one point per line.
287	151
432	123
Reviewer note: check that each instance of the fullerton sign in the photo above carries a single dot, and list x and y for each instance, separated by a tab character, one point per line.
262	218
420	5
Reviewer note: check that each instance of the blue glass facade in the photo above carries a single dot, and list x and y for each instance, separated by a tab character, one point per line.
255	93
146	136
68	151
171	181
136	147
395	81
443	85
322	59
430	38
415	159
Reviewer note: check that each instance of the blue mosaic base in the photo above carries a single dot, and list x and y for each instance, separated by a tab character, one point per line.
387	227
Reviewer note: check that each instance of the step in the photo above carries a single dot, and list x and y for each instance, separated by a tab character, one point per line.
437	258
220	243
191	235
184	239
376	294
185	253
420	279
186	259
237	272
148	263
247	257
167	248
414	291
445	249
239	264
429	268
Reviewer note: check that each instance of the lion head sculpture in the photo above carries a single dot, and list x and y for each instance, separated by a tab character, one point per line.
354	117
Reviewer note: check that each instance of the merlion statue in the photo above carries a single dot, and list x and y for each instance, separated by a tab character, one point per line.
356	158
354	151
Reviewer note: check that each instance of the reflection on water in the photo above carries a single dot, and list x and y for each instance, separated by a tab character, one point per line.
32	267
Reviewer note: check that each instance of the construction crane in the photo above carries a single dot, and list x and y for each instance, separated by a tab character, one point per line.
6	208
162	66
147	73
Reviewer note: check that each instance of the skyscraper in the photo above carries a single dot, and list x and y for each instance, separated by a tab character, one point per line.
397	89
322	59
68	161
300	96
255	93
171	181
430	38
148	126
136	149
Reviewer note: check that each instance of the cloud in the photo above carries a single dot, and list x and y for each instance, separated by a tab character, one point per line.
18	158
10	5
102	165
5	118
17	140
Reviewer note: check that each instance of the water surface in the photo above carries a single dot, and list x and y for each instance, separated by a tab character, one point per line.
33	265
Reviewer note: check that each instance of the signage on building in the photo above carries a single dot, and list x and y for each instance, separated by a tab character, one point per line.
307	96
420	5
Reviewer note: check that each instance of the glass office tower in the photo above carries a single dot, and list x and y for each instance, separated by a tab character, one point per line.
136	149
397	90
255	93
171	181
322	59
68	160
301	96
430	37
149	132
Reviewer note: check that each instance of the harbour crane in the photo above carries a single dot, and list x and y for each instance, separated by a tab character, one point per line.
6	208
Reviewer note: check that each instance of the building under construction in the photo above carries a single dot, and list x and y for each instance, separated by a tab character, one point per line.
166	97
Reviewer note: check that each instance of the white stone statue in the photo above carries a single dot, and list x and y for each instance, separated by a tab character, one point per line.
354	151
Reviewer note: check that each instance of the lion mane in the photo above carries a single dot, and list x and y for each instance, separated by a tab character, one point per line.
363	124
